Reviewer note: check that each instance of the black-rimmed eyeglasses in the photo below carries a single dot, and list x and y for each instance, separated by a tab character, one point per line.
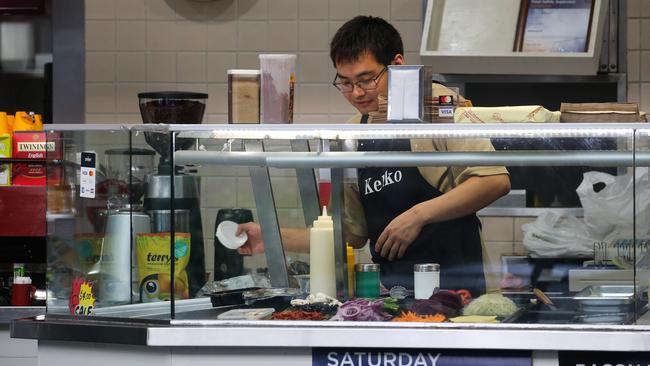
365	84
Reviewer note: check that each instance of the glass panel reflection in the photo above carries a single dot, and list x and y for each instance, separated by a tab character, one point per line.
396	204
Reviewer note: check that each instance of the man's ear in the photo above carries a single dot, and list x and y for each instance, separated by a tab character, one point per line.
399	59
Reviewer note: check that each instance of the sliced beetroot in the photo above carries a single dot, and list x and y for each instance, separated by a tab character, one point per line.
449	299
433	307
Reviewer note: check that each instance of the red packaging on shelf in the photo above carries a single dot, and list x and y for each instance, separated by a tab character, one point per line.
36	146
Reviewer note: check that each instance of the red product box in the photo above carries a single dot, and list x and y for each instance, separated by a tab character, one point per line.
38	146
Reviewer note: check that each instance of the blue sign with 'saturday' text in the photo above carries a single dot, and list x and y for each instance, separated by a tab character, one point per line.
417	357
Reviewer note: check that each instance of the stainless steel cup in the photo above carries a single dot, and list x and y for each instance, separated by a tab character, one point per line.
161	220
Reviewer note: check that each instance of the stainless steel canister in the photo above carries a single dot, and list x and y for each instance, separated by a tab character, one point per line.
367	280
161	220
426	278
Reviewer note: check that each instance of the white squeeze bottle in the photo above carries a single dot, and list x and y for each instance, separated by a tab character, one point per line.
321	256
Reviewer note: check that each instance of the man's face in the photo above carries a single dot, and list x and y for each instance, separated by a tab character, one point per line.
365	68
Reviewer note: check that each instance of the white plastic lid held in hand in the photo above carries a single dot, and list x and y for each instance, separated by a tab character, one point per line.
226	235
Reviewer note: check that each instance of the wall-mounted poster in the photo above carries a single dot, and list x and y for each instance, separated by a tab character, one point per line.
554	25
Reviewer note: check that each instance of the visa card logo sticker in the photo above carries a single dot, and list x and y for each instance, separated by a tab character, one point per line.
446	111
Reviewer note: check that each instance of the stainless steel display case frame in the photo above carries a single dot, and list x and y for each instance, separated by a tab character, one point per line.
112	324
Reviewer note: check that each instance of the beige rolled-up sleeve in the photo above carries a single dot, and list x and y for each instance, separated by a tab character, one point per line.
353	215
441	176
461	173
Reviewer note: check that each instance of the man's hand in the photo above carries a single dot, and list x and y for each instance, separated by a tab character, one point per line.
254	244
399	234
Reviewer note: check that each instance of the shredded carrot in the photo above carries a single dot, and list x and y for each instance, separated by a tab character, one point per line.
410	316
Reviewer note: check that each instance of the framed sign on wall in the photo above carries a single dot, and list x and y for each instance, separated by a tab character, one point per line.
554	26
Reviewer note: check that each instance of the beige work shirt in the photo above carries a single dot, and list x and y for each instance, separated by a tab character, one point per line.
443	178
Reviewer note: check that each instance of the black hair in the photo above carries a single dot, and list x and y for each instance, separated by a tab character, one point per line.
366	34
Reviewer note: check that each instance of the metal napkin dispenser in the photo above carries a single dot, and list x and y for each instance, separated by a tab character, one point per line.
409	93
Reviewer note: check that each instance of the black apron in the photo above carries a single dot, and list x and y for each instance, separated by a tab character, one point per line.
454	244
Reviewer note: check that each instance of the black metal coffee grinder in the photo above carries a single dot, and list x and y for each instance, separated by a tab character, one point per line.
175	108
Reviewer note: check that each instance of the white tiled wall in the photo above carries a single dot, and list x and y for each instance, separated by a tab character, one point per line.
638	43
147	45
138	45
501	236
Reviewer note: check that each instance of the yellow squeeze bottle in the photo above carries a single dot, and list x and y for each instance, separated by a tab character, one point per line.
351	262
322	278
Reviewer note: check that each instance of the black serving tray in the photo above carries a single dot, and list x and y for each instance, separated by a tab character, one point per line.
230	297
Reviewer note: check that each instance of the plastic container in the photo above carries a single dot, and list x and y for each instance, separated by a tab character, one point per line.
22	291
278	78
426	278
4	125
24	121
350	265
367	280
322	262
19	271
244	96
10	121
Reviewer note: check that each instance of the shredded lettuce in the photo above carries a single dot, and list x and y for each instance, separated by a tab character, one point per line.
491	305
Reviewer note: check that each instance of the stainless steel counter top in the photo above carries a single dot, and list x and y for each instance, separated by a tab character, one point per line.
268	333
8	313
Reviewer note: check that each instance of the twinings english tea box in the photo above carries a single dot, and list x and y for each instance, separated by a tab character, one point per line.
34	145
5	152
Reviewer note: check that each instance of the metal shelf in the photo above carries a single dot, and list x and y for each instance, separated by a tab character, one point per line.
395	159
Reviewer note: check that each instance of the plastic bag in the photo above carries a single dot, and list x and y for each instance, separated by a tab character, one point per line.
612	208
553	235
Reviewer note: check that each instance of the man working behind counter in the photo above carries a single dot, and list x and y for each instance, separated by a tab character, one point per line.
411	215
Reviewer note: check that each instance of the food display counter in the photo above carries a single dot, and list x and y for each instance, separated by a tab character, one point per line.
111	295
